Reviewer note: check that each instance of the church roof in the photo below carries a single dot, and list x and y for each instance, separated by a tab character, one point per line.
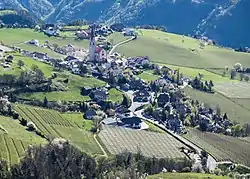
98	49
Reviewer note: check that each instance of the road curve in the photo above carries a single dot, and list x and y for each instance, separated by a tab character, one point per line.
120	43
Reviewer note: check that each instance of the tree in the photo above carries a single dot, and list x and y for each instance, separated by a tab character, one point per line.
218	110
246	78
225	117
211	83
203	126
238	67
149	109
241	76
45	102
157	70
232	74
4	171
20	63
58	159
126	100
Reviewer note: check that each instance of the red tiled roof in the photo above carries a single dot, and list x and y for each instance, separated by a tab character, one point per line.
98	50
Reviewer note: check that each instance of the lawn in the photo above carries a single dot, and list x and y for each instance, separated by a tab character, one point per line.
242	102
18	36
222	147
235	112
168	48
148	76
186	176
115	95
73	93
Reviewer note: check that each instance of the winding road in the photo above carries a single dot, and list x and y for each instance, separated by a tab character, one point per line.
120	43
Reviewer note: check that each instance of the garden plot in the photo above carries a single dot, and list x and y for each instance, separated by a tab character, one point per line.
234	89
150	144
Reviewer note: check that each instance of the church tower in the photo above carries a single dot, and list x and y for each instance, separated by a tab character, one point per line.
92	44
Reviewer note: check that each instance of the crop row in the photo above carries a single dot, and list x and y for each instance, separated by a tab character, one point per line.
11	150
222	147
31	115
150	144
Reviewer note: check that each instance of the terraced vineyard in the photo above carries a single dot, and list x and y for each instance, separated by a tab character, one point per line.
223	148
14	140
151	144
53	124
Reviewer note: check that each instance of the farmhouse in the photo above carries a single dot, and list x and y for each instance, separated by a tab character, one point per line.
141	96
131	122
99	95
138	61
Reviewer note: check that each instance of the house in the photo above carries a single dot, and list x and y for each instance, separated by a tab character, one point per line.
163	99
89	114
82	34
137	84
99	95
138	61
39	56
109	121
100	55
141	96
131	122
33	42
9	59
51	32
129	32
86	90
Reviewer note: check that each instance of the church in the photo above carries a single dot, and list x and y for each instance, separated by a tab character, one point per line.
96	54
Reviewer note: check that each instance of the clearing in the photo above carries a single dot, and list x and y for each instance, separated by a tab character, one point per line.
148	76
222	147
118	139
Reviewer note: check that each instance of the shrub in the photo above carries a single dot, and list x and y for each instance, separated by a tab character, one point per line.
23	122
15	115
31	126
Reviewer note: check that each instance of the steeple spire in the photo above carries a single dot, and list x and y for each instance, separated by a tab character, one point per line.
92	34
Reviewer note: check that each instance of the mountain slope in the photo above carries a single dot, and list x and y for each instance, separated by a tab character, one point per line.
216	18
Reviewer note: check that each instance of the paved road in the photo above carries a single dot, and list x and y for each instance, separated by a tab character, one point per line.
120	43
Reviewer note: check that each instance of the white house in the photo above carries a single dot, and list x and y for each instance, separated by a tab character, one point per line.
100	55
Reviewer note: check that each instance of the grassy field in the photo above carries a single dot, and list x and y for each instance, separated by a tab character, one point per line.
14	140
245	103
73	92
148	76
117	140
234	89
117	37
193	72
234	111
18	36
168	48
222	147
54	124
186	176
115	95
154	128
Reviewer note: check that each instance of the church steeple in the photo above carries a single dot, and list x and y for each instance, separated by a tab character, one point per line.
92	43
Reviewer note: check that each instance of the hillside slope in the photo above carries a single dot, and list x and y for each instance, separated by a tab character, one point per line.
219	20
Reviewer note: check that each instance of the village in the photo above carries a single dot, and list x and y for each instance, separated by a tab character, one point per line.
160	101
